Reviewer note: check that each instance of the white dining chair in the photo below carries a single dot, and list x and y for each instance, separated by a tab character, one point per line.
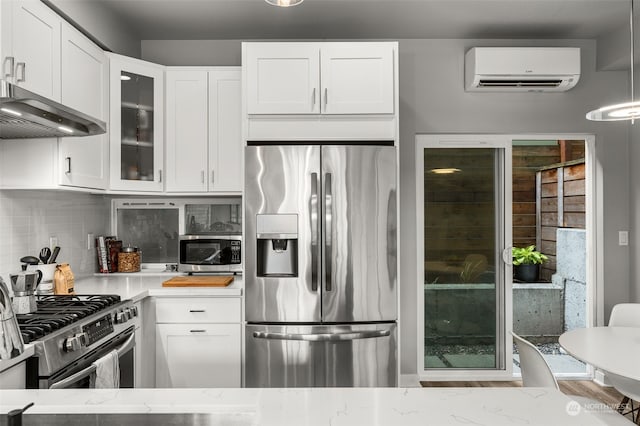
626	315
537	373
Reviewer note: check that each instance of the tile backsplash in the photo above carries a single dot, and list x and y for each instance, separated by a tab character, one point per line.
29	218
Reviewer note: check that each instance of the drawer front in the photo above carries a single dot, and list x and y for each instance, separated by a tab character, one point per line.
198	310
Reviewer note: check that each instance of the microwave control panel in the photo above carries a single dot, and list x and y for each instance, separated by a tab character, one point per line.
235	252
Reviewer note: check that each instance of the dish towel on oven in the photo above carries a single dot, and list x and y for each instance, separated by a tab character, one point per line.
107	374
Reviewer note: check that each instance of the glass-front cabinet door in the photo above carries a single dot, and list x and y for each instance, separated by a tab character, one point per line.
136	124
463	204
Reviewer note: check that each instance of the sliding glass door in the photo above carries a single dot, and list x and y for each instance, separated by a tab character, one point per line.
464	214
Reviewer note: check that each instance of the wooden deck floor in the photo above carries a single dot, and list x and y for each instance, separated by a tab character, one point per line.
587	388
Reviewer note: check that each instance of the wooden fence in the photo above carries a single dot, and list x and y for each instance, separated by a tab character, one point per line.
560	203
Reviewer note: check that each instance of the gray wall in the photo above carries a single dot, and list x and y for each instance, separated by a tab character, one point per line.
433	100
634	195
105	26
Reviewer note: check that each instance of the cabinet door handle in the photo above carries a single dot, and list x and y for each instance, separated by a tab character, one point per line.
23	67
198	331
313	97
196	310
160	175
202	176
213	179
68	161
9	63
326	98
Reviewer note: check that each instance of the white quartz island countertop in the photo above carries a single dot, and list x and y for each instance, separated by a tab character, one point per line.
142	284
321	406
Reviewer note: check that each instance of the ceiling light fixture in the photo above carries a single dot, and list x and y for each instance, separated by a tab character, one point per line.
284	3
445	171
624	111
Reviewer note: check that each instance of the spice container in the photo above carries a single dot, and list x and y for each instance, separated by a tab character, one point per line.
129	259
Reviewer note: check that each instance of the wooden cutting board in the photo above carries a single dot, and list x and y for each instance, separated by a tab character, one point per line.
191	281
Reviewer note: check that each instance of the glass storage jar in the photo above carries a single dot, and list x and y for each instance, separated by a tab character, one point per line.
129	259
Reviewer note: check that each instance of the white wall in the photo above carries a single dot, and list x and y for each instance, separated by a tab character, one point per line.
29	218
433	100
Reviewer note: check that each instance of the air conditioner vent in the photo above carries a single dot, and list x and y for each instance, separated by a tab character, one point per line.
520	83
522	69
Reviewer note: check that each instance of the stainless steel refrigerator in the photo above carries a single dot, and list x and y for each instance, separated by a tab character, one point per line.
320	265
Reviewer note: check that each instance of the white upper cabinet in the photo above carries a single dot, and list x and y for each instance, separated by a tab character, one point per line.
84	161
204	141
320	78
357	78
187	128
137	124
31	46
283	78
225	130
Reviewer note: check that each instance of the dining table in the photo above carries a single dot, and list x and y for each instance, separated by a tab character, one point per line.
612	349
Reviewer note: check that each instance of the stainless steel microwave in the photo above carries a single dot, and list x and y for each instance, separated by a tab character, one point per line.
210	253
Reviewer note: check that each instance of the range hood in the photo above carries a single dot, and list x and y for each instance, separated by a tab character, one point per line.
23	114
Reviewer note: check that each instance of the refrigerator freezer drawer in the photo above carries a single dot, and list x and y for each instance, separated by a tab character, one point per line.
359	355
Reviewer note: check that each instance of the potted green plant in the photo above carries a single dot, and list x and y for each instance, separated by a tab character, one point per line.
526	263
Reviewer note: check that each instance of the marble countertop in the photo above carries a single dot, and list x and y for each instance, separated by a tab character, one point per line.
142	284
8	363
321	406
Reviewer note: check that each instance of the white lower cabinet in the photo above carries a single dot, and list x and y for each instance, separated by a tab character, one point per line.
14	377
198	355
198	342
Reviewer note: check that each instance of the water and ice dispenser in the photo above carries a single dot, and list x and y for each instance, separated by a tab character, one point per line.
277	243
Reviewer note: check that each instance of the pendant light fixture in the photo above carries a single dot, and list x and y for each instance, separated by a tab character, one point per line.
284	3
624	111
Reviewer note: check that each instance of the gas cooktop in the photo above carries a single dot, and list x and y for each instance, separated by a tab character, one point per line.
56	312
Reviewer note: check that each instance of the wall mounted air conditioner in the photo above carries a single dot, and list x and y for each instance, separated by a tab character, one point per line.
521	69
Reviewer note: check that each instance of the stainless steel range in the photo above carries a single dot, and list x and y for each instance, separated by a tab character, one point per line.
71	332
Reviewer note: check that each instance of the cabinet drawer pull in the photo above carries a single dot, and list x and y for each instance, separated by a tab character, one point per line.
196	310
198	331
9	64
23	66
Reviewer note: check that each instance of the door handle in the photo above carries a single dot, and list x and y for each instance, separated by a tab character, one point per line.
160	176
213	179
328	244
10	61
322	337
507	256
22	66
202	176
326	98
68	161
313	97
314	231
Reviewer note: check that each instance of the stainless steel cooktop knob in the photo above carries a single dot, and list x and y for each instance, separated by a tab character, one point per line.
120	317
127	313
71	344
134	311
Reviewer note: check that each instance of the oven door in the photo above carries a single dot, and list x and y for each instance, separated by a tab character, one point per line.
78	375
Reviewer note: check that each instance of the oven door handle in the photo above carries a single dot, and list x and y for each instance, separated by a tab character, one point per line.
63	384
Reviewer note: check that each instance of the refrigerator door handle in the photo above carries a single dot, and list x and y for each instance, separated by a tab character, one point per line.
314	231
328	245
322	337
